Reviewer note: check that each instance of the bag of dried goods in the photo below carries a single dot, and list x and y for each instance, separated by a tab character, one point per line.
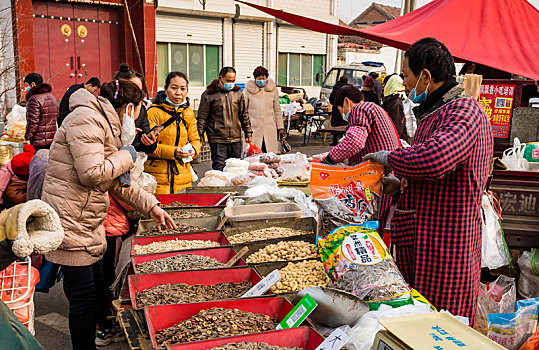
528	281
497	297
357	261
346	195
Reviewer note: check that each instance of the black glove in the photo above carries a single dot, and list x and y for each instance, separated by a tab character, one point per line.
328	160
391	185
131	151
380	157
125	179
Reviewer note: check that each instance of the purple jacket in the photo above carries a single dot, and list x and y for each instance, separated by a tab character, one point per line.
41	114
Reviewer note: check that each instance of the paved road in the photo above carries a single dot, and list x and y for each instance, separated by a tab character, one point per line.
51	309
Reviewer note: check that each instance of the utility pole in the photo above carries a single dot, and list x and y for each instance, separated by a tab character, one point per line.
407	7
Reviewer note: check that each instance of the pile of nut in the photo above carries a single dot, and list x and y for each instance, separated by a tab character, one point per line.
184	293
179	204
265	234
253	346
284	251
179	263
215	323
298	276
180	228
173	245
187	214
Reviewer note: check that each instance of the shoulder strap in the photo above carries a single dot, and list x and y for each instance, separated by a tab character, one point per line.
173	117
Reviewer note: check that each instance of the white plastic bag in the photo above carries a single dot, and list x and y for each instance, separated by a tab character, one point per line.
296	170
493	248
194	176
128	126
411	122
513	157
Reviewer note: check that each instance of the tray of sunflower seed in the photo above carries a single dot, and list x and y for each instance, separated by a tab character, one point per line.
191	213
149	228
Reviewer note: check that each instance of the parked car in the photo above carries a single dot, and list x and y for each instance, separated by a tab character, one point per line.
353	71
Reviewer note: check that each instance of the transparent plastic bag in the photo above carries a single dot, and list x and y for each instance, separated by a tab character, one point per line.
16	122
297	169
496	297
147	182
494	253
528	281
138	167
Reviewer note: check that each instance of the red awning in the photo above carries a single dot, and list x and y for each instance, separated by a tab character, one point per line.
502	34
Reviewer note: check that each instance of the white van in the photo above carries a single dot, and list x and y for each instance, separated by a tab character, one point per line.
354	72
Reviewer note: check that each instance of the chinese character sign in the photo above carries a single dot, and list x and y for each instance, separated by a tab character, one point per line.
497	101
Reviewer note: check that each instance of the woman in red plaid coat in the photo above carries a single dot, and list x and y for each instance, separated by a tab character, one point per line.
369	130
436	227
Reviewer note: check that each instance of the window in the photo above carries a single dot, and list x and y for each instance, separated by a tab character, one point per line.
300	69
200	62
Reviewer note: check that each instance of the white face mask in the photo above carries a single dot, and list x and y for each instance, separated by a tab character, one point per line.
128	125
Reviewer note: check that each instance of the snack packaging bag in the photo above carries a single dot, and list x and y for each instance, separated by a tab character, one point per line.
346	194
357	261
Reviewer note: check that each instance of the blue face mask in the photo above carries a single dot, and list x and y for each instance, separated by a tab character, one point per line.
261	83
228	86
175	105
347	115
418	98
27	89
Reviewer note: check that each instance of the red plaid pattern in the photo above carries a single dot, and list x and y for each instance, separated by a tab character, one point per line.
369	130
437	225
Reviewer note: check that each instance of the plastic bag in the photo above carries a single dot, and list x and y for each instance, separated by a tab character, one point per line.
269	158
528	281
513	157
194	176
511	330
147	182
357	261
128	127
236	163
16	122
531	152
251	150
242	180
138	167
296	167
496	297
215	178
346	195
362	335
283	146
532	343
494	251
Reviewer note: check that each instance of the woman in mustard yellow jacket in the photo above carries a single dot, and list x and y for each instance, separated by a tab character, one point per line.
166	164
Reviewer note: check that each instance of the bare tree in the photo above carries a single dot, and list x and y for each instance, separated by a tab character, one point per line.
8	63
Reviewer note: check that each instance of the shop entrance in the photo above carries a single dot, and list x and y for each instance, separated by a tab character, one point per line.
73	42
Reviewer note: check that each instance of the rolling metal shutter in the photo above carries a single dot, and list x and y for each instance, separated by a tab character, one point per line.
189	30
248	49
299	40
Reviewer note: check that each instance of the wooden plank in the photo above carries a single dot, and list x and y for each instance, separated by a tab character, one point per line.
133	324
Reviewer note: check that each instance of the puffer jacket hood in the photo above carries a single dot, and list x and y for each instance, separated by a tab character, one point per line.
252	88
161	98
215	88
83	98
41	115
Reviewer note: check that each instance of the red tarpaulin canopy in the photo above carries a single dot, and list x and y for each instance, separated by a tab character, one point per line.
502	34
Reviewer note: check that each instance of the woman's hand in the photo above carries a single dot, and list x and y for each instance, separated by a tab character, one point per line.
280	132
147	139
162	218
179	153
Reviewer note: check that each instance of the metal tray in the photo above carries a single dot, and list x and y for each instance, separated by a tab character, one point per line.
256	246
216	236
208	223
304	224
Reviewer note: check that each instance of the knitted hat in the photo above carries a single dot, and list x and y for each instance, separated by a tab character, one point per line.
368	82
20	164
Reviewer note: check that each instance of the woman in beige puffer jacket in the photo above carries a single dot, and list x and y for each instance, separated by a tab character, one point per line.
85	161
262	103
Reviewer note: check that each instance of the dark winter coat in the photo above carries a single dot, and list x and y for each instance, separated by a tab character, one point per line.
370	96
392	104
436	227
64	103
222	114
41	114
142	123
336	116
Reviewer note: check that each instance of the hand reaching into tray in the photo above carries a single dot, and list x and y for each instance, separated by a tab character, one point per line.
161	218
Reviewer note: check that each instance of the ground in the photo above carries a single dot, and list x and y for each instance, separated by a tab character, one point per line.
51	309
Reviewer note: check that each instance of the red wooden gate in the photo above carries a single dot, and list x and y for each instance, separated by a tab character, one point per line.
74	42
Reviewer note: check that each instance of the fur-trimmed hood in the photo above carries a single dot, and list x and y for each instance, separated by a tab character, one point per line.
251	86
38	89
215	88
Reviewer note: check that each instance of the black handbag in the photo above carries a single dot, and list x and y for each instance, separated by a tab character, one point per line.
284	147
